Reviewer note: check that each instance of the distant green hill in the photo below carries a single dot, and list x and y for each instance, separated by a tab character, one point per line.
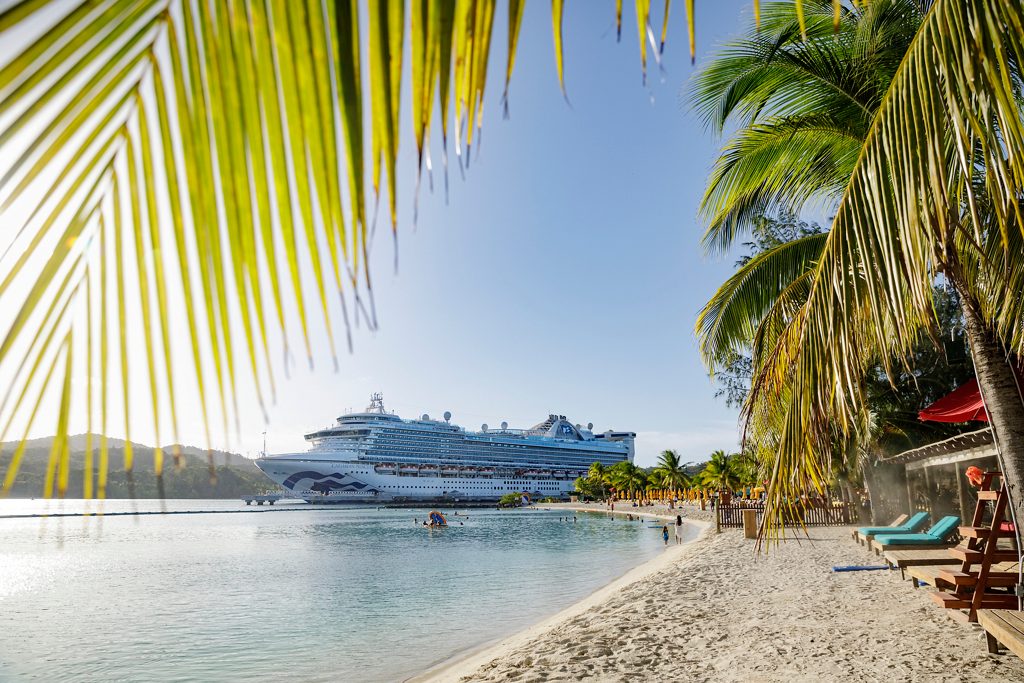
233	474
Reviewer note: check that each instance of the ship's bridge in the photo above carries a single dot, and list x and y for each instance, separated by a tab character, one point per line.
368	417
558	427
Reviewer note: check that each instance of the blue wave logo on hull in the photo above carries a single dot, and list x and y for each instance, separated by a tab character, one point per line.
325	483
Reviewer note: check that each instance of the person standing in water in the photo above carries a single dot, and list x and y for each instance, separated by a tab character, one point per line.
679	529
664	533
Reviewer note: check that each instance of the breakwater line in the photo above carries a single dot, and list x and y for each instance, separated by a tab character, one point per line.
140	513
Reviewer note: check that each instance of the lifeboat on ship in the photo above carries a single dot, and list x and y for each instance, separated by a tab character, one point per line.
408	469
385	468
450	471
486	472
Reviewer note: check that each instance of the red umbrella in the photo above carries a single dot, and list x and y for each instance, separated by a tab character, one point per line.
963	404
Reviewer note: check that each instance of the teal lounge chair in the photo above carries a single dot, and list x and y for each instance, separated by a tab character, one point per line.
912	525
936	537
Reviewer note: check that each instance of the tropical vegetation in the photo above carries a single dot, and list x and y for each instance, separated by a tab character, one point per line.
511	500
670	473
906	124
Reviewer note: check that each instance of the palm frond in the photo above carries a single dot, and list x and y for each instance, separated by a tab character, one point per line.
731	319
181	161
803	103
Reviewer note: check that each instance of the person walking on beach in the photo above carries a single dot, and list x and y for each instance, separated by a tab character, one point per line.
664	533
679	529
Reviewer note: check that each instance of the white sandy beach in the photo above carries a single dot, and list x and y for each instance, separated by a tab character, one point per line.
712	610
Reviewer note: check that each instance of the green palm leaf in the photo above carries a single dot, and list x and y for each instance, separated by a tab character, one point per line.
763	285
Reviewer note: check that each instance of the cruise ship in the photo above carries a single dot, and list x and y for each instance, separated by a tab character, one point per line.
376	456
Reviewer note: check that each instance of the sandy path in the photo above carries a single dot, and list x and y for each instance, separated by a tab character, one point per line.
711	611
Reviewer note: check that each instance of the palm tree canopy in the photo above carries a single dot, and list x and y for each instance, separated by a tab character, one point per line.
670	471
627	477
719	472
757	302
803	103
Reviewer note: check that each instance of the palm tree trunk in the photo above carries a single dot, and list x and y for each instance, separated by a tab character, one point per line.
1003	402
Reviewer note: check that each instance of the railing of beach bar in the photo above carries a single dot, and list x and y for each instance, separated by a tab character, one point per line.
833	514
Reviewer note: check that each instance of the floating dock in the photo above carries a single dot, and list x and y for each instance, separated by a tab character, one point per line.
260	500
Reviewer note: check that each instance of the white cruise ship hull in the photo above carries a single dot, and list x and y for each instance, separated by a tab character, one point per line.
341	481
378	456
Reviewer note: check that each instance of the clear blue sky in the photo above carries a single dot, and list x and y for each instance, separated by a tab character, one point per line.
566	273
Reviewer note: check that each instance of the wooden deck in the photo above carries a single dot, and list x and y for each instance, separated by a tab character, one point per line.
1003	627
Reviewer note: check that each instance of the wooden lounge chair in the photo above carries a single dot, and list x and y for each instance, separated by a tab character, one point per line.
940	535
916	557
931	575
1003	627
911	526
893	524
946	576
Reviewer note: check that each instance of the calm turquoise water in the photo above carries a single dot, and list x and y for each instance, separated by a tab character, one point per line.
308	594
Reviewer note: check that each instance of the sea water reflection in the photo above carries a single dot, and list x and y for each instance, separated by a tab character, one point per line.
318	594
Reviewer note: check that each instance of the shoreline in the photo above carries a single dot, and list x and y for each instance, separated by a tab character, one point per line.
714	610
467	661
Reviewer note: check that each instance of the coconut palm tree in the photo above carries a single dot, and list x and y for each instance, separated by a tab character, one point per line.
720	472
911	202
670	471
745	466
598	477
627	478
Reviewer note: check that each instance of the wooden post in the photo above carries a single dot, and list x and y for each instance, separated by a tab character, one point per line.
718	519
750	524
910	495
929	493
961	490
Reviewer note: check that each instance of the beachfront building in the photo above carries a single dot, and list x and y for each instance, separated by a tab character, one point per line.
933	475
